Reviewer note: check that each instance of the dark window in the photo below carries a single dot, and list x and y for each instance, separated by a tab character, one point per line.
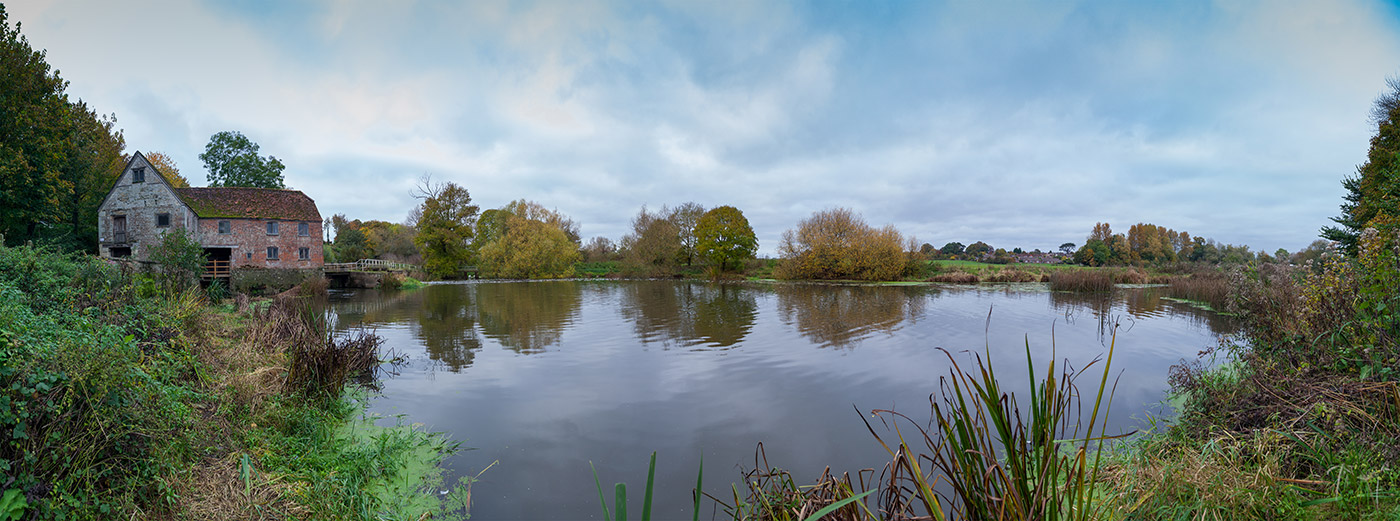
271	253
272	228
303	229
138	174
162	220
250	255
304	253
120	252
225	227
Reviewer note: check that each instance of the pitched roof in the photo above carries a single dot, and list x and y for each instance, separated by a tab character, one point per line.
249	203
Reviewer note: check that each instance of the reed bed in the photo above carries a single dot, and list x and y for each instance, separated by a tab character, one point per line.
1210	287
1087	281
956	277
1012	275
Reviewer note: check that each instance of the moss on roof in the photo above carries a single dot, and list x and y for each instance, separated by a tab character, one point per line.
249	203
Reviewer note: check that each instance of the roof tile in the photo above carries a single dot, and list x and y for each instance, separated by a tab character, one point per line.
249	203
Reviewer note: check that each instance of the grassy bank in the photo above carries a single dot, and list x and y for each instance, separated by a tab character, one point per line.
124	397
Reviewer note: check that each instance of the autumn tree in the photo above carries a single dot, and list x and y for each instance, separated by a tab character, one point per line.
977	250
599	249
523	240
166	166
445	227
654	244
232	160
724	238
838	244
1373	193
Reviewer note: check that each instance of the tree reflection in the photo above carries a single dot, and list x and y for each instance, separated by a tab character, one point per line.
527	317
447	325
840	316
711	315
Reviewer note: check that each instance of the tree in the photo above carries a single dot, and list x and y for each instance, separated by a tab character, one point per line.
232	160
654	245
952	249
523	240
838	244
977	250
599	249
724	238
1067	248
166	166
1374	192
58	158
444	227
685	217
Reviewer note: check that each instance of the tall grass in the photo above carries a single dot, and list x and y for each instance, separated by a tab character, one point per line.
990	459
1209	287
1087	281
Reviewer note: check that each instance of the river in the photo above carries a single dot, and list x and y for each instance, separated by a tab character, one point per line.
546	377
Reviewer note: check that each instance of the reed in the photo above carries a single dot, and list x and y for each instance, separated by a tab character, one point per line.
1209	287
988	458
1012	275
956	277
1087	281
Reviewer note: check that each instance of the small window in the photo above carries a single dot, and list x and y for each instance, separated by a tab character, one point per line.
272	228
304	253
271	253
162	220
138	175
303	229
249	254
225	227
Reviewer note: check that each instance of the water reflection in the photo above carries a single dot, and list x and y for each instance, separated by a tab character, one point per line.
527	317
447	325
1140	303
700	316
839	316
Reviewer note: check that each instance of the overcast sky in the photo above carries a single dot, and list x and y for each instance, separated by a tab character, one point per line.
1018	124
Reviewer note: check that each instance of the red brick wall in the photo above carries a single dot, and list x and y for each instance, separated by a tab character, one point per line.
250	236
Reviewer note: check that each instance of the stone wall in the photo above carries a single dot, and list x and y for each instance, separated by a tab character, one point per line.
140	203
266	281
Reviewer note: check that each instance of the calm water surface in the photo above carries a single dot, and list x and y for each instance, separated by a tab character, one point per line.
548	376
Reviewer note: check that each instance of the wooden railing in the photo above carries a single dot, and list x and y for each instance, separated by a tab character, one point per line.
217	269
369	265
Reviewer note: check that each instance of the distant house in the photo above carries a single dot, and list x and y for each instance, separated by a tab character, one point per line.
241	227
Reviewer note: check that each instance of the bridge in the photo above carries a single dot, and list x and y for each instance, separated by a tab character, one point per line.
365	265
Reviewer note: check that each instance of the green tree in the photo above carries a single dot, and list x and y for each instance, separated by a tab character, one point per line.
952	249
1067	248
1374	192
685	217
445	227
977	250
232	160
724	238
57	157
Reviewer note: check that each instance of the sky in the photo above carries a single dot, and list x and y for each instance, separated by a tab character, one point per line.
1020	124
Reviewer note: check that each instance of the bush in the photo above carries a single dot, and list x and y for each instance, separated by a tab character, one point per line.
838	244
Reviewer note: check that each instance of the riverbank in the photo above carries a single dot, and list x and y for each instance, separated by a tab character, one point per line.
123	398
